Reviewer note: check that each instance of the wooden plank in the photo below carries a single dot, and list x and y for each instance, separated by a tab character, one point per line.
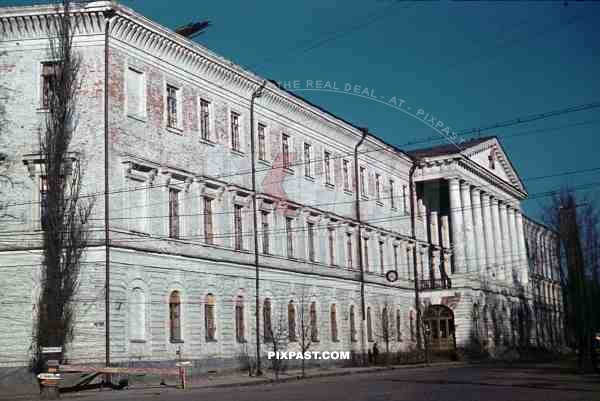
116	370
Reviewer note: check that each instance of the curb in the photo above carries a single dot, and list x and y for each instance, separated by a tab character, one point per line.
258	382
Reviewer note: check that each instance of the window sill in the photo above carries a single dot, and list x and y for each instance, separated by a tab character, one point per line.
175	130
137	341
309	178
142	119
364	197
176	341
42	110
237	152
206	141
379	203
241	341
264	162
288	170
329	185
348	192
211	340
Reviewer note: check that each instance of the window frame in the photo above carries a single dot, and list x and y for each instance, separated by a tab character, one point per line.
327	172
235	142
307	159
261	139
143	112
238	227
174	213
205	122
178	126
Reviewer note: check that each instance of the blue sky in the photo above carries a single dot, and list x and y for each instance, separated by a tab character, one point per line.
469	64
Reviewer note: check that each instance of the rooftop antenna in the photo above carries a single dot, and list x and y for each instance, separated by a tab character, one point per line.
193	29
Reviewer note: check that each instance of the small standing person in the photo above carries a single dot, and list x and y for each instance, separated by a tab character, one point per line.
375	353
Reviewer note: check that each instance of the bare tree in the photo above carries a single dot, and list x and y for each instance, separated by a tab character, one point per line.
65	214
384	326
307	327
276	334
579	292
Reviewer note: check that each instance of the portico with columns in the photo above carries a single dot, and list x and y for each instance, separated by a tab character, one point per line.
470	195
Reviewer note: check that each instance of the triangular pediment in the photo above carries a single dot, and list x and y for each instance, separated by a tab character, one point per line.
485	152
490	155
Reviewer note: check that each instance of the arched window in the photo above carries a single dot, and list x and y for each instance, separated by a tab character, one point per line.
291	321
369	325
137	315
210	327
268	330
334	327
386	331
352	325
239	319
175	316
398	325
314	330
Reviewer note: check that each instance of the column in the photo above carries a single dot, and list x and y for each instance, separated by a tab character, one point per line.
498	239
456	226
433	228
479	234
512	230
488	231
465	195
522	248
506	249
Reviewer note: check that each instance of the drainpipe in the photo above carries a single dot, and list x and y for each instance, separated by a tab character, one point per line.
108	15
256	94
365	132
413	235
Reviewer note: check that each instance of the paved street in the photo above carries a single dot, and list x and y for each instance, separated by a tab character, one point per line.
461	383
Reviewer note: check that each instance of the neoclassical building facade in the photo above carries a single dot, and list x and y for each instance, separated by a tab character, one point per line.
165	132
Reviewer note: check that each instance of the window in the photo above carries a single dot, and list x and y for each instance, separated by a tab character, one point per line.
175	316
378	187
307	160
314	330
209	318
205	119
398	325
492	159
291	322
363	183
392	198
173	213
285	150
172	106
137	315
404	205
262	145
334	327
239	320
268	330
44	218
311	241
48	83
237	227
352	325
136	102
137	195
289	237
366	253
265	231
235	131
382	256
369	325
327	161
385	325
349	250
208	221
396	257
346	174
409	270
331	232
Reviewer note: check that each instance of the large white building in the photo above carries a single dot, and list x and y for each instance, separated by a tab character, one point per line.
333	210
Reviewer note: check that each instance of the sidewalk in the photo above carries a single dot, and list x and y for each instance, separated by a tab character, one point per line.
238	379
